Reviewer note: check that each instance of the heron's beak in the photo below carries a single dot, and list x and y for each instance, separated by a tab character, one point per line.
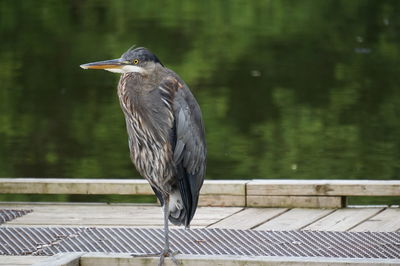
108	64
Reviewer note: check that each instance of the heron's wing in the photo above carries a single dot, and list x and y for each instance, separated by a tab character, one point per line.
190	148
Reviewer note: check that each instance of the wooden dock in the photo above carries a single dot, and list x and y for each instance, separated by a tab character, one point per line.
278	205
374	219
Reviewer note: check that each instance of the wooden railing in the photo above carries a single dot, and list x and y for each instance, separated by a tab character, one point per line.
251	193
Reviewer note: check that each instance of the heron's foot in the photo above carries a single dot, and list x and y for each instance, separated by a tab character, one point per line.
168	253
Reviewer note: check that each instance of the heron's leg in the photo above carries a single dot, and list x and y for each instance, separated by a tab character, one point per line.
166	229
166	251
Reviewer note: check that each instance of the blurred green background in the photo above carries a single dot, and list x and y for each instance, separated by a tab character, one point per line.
288	89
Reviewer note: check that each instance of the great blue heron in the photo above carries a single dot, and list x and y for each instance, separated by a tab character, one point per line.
166	133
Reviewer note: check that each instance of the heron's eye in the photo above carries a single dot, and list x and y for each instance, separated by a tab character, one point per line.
136	61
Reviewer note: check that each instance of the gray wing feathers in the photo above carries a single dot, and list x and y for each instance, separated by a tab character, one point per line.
190	143
190	148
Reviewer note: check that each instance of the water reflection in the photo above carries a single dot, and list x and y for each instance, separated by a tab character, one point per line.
305	89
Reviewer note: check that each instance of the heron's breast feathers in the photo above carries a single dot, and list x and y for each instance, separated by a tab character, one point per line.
149	128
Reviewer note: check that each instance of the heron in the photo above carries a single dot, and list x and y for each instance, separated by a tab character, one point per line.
166	135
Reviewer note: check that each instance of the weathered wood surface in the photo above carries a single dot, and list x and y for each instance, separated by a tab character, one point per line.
150	215
344	219
147	215
56	214
20	260
294	201
222	200
385	221
107	186
248	218
107	259
223	193
224	187
75	186
213	192
106	215
62	259
93	259
279	187
236	193
324	187
295	219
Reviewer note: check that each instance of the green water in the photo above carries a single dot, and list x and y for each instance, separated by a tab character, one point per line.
288	89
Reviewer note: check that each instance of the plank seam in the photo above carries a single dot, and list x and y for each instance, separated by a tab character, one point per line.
271	218
323	216
243	208
366	219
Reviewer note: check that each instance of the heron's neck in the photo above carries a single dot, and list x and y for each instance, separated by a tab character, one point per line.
129	90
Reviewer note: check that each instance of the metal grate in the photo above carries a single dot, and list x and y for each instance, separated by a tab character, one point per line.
53	240
8	215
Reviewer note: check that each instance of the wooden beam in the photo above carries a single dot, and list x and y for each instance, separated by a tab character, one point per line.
106	259
210	187
222	200
295	201
21	260
256	193
218	193
224	187
74	186
122	259
107	186
62	259
324	187
213	192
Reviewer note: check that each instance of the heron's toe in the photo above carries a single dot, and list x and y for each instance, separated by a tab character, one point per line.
168	253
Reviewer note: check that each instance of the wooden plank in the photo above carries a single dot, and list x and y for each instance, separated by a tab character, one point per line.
20	260
106	259
222	200
324	187
75	186
213	187
386	221
295	201
294	219
224	187
62	259
107	186
344	219
86	215
248	218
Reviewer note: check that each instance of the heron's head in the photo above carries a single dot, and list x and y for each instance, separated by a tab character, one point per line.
138	60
